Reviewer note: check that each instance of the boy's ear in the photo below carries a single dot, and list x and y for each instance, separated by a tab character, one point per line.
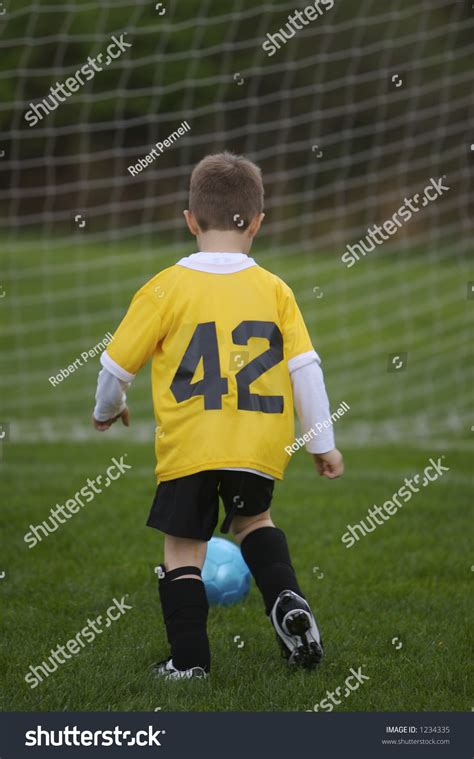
191	222
255	224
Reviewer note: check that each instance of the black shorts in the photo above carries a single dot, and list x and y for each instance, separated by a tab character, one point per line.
188	507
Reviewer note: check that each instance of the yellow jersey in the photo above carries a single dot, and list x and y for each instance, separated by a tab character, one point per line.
223	335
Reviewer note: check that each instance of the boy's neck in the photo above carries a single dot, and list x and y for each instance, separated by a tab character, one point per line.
215	241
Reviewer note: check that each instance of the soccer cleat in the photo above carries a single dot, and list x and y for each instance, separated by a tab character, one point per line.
297	631
168	671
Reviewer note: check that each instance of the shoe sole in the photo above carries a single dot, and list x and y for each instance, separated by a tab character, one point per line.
308	653
160	674
175	678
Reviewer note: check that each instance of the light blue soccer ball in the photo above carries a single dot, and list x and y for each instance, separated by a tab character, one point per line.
225	574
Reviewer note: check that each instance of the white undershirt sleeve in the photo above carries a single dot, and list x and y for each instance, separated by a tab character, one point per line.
312	407
110	396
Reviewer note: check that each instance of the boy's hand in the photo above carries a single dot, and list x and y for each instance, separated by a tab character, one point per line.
330	464
102	426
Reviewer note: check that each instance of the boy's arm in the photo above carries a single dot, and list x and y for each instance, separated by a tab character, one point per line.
111	401
133	343
312	407
309	392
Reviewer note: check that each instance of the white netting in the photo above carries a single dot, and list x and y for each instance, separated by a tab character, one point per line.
357	111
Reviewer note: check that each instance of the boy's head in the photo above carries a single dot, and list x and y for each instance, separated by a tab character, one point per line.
226	195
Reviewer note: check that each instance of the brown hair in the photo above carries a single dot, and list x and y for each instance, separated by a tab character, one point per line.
224	190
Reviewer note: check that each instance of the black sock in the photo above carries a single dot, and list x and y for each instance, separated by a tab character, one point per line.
266	552
185	609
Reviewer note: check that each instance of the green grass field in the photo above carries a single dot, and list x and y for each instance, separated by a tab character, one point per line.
409	579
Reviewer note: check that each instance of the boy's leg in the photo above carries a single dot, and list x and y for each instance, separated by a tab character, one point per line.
184	604
186	511
265	550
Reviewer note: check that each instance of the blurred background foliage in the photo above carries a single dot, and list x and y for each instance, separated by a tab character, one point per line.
330	85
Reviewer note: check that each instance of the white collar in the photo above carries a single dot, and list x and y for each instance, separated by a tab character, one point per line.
217	263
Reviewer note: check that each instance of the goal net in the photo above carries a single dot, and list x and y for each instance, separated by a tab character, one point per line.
358	114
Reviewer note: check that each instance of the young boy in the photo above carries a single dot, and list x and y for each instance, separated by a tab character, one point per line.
230	355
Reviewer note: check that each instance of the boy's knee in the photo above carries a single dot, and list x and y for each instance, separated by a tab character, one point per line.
243	526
